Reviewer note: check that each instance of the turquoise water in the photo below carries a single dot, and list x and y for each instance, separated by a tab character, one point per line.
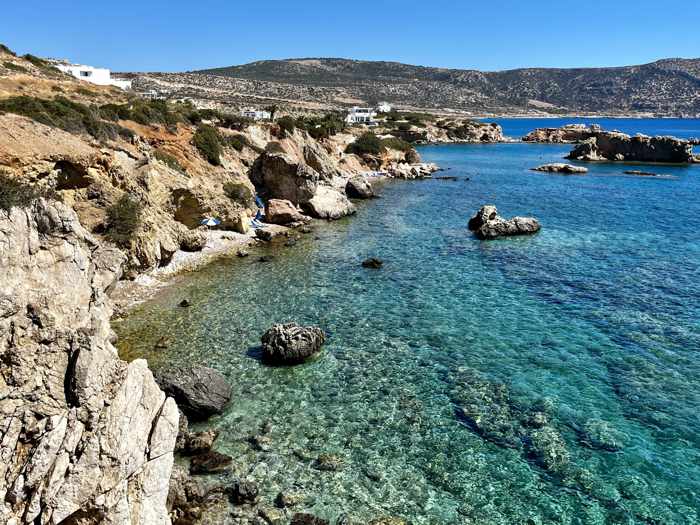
592	325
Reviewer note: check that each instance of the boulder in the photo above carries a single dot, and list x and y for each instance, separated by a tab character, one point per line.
307	519
280	211
487	224
616	146
413	157
210	462
200	392
290	344
358	187
329	203
243	493
264	235
193	241
560	167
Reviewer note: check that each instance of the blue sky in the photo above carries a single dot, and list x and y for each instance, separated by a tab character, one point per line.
160	35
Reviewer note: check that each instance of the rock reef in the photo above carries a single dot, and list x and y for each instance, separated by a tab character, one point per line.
561	168
568	134
616	146
289	344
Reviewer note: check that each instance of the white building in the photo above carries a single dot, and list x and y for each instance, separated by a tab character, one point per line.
96	75
384	107
358	115
256	114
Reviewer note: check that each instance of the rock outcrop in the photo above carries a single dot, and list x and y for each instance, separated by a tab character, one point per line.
616	146
199	391
487	224
290	344
559	167
358	187
564	135
452	131
329	203
84	436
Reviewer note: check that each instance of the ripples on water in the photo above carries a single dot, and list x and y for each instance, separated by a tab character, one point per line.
596	318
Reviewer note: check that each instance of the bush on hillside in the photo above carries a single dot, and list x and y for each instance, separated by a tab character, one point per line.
206	140
367	143
16	194
397	144
64	114
14	67
123	220
287	124
5	49
169	160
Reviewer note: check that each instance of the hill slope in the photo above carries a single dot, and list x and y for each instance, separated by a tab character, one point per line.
668	87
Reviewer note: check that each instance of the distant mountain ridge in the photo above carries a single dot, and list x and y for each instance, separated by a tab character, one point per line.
669	87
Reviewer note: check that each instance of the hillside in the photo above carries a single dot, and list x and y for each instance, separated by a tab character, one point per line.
668	87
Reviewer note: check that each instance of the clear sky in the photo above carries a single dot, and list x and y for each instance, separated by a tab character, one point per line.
175	35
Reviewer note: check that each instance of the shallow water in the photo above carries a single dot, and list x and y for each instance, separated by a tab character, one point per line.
596	318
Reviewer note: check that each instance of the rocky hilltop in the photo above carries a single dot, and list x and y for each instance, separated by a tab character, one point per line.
665	88
97	186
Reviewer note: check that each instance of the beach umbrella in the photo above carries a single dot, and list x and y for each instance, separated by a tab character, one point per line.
210	221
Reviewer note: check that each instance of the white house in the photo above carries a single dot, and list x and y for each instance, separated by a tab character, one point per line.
384	107
256	114
97	75
358	115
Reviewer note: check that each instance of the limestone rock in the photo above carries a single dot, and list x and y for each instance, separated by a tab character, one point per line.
199	391
210	462
563	135
358	187
280	211
560	167
291	344
487	224
328	203
193	241
616	146
66	390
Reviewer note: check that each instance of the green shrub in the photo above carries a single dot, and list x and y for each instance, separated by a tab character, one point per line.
206	140
5	49
85	92
287	124
403	126
123	220
367	143
170	161
240	193
397	144
235	122
15	193
237	142
14	67
62	113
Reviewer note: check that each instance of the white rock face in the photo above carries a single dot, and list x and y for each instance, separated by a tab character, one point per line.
84	436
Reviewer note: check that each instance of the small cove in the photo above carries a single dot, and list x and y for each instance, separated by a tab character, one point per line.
598	315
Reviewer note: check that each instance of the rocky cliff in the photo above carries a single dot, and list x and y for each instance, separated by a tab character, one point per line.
563	135
84	437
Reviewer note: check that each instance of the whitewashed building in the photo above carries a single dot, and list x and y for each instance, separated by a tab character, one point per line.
384	107
96	75
256	114
358	115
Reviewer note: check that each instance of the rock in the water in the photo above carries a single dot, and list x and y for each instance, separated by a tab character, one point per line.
185	303
200	392
602	435
487	224
616	146
199	442
641	173
329	203
291	344
242	253
243	493
281	211
264	235
266	258
358	187
288	499
329	462
564	135
163	343
307	519
372	262
193	241
210	462
560	167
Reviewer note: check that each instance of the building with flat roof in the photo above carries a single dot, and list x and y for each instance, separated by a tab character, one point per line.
358	115
96	75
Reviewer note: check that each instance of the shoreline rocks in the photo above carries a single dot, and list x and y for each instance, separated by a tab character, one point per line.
290	344
283	212
200	392
568	134
373	263
488	225
358	187
620	147
559	167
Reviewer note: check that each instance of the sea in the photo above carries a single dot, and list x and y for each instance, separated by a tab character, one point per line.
552	378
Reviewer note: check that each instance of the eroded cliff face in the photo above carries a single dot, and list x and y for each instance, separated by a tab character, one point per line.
84	437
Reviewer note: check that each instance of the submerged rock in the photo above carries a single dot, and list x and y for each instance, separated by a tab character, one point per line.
200	392
286	499
560	167
210	462
372	262
243	493
185	303
602	435
549	449
487	224
291	344
616	146
307	519
358	187
329	462
264	235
